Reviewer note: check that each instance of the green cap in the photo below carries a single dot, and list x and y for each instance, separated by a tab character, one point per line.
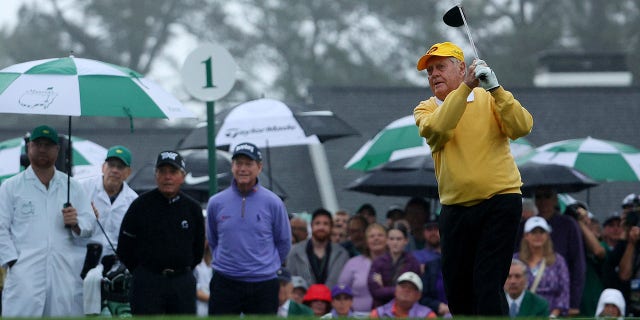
44	132
121	153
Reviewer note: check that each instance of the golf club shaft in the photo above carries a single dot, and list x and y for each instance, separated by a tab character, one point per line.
466	28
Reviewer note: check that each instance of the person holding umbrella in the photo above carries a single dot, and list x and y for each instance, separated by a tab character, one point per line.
38	232
468	124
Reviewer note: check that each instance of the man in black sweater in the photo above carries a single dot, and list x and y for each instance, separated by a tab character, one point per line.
161	240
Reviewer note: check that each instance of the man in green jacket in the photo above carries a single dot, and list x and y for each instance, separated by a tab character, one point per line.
288	307
523	303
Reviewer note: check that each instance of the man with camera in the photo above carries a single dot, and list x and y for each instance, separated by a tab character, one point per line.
622	269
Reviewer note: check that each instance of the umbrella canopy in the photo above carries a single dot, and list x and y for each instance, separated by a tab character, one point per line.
562	178
415	177
87	157
601	160
196	182
83	87
410	177
400	139
271	122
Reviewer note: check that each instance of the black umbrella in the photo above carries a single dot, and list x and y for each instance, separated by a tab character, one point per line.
196	183
415	176
324	124
410	177
562	178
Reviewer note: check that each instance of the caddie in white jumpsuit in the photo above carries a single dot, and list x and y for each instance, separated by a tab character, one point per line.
39	239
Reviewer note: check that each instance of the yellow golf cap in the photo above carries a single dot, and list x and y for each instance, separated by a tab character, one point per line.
443	49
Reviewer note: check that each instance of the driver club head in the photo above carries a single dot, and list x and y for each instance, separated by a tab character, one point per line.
453	17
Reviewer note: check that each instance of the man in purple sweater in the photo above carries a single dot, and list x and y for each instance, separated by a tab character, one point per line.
249	236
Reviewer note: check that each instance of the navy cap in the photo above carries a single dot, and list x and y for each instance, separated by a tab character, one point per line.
432	220
248	149
171	158
341	289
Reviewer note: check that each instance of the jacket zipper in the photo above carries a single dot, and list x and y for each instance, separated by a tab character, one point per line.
243	202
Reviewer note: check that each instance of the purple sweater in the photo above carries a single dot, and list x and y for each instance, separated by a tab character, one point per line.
567	242
554	284
355	274
385	267
249	234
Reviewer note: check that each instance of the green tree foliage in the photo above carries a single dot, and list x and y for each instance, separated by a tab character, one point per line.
128	33
285	46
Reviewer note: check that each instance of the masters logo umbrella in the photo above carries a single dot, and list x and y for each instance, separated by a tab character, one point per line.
82	87
602	160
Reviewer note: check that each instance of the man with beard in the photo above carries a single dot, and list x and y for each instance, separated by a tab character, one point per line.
38	233
318	260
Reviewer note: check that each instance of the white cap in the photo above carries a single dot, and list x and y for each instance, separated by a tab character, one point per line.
611	296
536	222
411	277
629	199
299	282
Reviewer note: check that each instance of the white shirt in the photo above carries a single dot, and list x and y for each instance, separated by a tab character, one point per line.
45	280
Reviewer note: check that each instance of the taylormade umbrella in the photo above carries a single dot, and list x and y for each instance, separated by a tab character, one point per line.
87	158
269	122
323	123
196	182
400	139
601	160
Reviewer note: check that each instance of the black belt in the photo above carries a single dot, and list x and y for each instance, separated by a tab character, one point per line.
170	272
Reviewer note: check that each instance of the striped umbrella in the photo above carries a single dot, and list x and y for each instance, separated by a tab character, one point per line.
400	139
602	160
83	87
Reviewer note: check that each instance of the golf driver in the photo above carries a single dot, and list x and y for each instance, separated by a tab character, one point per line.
455	18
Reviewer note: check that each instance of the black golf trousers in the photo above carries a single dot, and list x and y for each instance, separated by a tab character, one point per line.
477	247
157	293
232	297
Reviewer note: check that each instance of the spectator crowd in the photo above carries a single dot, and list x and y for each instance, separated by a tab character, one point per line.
249	256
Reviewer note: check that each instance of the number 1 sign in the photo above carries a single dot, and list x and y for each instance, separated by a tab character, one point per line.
209	72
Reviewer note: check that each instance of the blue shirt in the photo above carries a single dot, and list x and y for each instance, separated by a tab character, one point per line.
249	234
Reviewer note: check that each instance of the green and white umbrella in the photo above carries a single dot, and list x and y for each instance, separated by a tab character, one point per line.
87	157
602	160
83	87
400	139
